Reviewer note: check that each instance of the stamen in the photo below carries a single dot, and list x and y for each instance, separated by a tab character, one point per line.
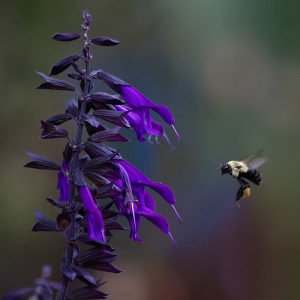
150	139
172	239
169	142
131	199
176	132
134	221
177	213
156	139
103	235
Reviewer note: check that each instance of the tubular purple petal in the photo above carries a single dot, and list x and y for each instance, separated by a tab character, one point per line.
157	219
135	98
63	183
94	216
137	177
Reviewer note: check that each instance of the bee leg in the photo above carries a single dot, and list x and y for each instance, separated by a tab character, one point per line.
243	186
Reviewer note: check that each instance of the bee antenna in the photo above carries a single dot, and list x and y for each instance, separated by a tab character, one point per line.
220	164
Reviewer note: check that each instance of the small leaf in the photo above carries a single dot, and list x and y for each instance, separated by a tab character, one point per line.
69	272
108	135
95	163
105	98
110	79
84	276
66	37
44	223
75	76
41	163
104	41
90	120
102	266
54	84
95	150
97	178
113	116
107	191
64	64
94	254
50	131
114	226
59	119
57	203
68	153
86	293
72	108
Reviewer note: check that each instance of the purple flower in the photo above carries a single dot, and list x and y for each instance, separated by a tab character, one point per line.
140	108
63	183
95	221
141	122
138	202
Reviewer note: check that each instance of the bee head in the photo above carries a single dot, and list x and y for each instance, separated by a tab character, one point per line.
225	169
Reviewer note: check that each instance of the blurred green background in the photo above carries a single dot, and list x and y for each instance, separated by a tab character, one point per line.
230	72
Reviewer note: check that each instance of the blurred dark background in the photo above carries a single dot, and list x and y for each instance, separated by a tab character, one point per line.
230	72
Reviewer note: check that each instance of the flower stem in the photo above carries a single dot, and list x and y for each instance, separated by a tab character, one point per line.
69	254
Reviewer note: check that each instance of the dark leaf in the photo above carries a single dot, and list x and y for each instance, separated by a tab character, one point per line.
39	162
102	266
66	37
90	120
78	70
108	135
59	119
111	80
86	293
72	108
110	214
101	97
95	150
78	178
91	130
50	131
107	191
95	163
64	64
114	226
57	203
75	76
84	276
55	84
104	41
105	169
43	224
113	116
68	153
97	178
69	272
94	254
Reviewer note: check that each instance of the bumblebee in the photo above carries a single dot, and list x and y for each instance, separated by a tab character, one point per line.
245	171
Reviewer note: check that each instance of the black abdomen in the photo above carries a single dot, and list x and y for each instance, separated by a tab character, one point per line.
253	175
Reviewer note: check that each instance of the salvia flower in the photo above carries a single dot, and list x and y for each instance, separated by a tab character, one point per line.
94	215
139	108
96	185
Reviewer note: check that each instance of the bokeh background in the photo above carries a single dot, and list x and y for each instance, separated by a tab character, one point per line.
230	72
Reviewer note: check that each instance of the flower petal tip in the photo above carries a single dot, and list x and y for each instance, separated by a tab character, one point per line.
176	132
172	239
177	213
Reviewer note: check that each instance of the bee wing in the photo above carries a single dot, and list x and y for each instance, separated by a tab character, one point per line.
255	160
